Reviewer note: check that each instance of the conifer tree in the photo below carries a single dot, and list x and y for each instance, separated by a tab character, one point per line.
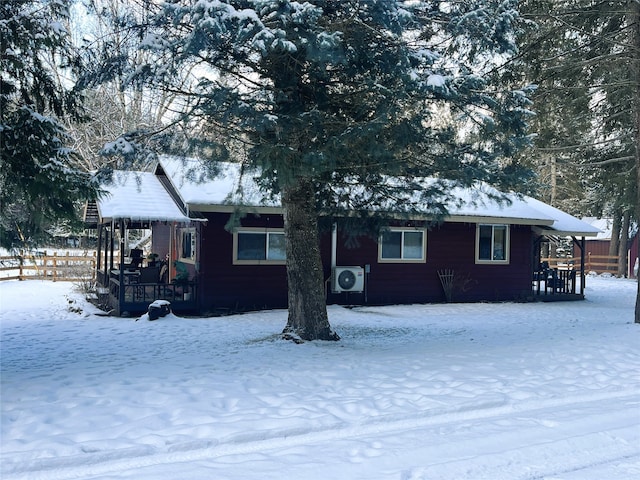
584	57
39	183
105	33
347	107
634	21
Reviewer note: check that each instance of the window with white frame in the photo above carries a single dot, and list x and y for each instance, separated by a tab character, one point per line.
402	245
258	246
492	244
188	244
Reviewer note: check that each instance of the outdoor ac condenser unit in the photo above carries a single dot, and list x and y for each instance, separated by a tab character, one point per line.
347	279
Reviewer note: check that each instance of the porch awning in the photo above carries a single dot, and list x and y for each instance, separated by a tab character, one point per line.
138	197
563	223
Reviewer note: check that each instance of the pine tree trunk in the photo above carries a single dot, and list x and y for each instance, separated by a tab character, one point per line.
554	180
635	77
615	233
308	318
623	247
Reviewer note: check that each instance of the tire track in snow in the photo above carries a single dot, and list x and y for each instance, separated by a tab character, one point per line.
553	459
109	462
633	458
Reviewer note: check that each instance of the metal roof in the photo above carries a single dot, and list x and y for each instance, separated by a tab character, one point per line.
138	196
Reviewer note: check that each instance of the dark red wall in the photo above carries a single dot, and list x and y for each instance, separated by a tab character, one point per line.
237	287
601	247
594	247
449	246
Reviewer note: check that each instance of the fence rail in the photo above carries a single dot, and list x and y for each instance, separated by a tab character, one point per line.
593	263
54	266
82	267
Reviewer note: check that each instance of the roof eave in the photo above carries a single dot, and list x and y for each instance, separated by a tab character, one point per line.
565	233
228	208
499	220
119	218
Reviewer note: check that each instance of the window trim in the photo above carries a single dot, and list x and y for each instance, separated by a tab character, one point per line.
507	241
401	259
194	245
256	231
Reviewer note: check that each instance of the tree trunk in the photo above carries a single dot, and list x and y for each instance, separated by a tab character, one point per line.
635	78
308	319
554	180
637	316
623	248
615	233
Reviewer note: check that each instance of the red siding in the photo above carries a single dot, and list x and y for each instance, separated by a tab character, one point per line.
601	247
595	247
449	246
237	287
161	238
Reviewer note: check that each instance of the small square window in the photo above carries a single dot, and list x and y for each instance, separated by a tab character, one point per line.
259	246
402	246
492	244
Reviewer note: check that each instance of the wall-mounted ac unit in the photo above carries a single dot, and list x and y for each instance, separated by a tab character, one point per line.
347	279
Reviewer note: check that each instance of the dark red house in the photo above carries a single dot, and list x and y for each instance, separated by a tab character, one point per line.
481	252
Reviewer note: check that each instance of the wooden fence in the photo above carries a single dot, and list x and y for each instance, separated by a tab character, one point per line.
82	267
593	263
49	266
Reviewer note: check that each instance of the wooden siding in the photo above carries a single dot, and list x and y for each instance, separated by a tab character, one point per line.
161	239
601	247
225	286
449	246
595	247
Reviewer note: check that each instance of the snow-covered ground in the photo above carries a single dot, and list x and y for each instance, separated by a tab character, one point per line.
461	391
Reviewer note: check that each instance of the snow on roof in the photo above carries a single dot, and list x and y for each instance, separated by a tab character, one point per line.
138	196
197	190
475	204
563	224
605	226
480	203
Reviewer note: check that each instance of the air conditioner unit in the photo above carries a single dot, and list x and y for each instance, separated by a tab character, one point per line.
347	279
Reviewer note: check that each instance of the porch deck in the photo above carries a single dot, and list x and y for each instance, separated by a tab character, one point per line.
557	284
130	297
